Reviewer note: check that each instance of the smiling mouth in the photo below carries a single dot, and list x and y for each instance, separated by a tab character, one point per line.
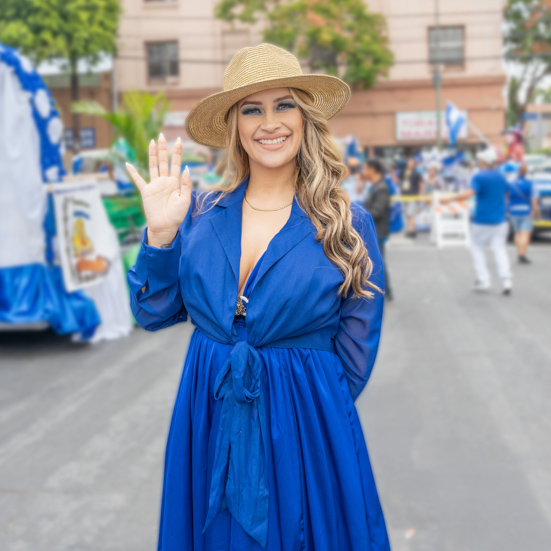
273	142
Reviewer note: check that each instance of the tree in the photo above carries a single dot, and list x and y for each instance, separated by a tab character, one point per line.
528	45
67	29
544	94
342	38
513	104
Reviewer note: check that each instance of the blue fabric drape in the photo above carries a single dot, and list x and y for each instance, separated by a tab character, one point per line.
35	293
48	122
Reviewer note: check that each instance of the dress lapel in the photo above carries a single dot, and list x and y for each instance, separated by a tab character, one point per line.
227	225
295	230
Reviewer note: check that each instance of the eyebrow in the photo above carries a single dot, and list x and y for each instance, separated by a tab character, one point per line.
260	103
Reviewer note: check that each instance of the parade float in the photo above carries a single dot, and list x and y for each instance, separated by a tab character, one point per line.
59	260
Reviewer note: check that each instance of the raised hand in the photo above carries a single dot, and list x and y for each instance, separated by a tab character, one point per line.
165	202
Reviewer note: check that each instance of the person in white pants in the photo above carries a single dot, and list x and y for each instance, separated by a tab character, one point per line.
489	225
495	236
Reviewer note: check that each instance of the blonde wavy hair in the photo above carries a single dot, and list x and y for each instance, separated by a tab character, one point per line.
318	175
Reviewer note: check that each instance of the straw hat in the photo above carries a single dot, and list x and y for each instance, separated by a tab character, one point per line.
252	70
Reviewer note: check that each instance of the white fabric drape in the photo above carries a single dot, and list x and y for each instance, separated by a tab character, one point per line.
111	299
22	193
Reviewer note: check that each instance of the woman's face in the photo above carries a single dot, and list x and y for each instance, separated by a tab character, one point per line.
270	127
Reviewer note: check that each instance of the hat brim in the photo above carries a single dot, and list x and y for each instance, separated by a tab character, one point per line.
206	122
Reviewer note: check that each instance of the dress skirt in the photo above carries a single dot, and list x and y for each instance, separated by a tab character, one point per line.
322	494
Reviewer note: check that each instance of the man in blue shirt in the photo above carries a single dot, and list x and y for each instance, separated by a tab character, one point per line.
489	224
523	204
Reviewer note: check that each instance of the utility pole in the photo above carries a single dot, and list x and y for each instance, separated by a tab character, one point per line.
437	78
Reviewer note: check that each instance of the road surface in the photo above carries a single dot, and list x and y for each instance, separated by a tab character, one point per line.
457	416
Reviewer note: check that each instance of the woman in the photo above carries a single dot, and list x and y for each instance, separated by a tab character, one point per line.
522	207
433	181
283	282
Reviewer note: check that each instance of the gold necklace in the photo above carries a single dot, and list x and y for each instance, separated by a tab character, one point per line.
268	210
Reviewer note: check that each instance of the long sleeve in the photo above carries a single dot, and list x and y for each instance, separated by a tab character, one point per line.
357	339
160	304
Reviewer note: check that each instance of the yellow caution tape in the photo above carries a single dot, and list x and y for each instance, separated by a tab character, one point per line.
410	198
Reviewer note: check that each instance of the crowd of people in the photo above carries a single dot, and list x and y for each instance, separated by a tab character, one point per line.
504	200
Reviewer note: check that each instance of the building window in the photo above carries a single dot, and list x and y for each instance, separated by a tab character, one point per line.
447	45
162	60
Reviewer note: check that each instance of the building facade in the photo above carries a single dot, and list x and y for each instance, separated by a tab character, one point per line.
95	133
179	47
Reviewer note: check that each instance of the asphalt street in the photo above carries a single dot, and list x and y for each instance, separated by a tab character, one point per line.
457	417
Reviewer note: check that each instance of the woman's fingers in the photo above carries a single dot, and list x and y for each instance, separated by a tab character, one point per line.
138	180
163	156
153	170
176	163
186	183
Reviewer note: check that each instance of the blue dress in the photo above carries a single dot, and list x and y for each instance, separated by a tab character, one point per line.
265	448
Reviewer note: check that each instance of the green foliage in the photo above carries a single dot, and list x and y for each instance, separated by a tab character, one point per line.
138	120
544	94
68	29
528	44
528	35
341	38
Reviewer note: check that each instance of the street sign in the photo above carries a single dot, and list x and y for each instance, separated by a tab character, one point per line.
535	116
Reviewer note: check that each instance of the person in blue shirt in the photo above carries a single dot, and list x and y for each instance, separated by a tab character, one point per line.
283	279
489	224
522	207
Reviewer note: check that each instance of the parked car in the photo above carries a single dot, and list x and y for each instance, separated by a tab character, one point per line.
536	162
542	183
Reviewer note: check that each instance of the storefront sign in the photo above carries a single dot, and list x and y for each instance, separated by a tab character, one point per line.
421	126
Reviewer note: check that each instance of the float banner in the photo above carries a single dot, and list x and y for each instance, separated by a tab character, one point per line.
87	244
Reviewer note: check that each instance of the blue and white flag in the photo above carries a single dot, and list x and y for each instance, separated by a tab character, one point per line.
455	120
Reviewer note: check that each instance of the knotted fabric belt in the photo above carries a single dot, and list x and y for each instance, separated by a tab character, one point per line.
239	475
